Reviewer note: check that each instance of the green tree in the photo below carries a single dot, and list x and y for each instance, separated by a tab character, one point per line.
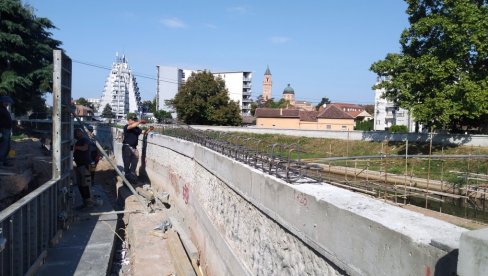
369	108
398	129
270	103
204	100
25	55
84	102
324	100
149	106
441	75
131	114
366	125
162	115
107	112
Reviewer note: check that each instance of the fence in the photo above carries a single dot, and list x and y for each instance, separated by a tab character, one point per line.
29	226
376	136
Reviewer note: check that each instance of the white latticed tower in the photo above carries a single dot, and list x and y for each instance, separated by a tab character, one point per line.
121	91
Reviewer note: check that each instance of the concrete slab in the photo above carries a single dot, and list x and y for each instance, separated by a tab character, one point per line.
473	253
86	248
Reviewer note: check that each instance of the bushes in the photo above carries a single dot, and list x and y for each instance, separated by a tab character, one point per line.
398	129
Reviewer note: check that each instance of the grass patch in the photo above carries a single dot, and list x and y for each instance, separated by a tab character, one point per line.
454	171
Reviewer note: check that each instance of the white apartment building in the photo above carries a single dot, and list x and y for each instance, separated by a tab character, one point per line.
238	84
387	114
121	91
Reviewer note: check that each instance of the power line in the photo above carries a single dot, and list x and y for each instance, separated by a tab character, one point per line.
145	76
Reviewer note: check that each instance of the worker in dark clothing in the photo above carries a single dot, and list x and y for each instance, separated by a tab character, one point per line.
5	129
94	154
130	154
81	155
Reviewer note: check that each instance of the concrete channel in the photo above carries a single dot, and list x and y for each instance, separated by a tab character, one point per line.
245	222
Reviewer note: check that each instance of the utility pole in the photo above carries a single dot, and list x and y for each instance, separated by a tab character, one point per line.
157	90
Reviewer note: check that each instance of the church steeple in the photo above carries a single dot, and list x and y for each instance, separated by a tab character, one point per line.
267	71
267	84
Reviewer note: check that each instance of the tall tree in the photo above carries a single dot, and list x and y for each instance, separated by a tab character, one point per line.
149	106
204	100
25	55
84	102
441	75
107	112
162	115
324	100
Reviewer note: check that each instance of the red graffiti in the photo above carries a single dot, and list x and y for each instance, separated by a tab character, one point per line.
186	193
301	198
427	270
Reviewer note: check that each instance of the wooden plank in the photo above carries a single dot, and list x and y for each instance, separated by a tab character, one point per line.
180	259
430	191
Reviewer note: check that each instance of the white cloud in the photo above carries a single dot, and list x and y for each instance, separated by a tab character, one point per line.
173	22
279	39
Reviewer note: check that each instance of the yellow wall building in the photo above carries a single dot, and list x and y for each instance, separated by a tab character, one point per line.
331	118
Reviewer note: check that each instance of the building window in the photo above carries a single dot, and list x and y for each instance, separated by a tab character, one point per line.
344	127
328	127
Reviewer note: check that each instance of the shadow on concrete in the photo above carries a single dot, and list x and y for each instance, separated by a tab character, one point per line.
143	177
447	265
86	247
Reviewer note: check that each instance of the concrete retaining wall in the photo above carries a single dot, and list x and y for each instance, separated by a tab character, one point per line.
245	222
377	136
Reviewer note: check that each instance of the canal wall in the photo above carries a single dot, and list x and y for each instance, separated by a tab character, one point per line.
246	222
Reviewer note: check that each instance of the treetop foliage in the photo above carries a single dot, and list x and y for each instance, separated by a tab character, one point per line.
107	112
205	100
441	75
25	55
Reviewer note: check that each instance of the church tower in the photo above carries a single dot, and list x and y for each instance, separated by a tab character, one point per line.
289	94
267	85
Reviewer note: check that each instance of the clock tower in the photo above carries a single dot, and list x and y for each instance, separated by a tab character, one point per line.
267	85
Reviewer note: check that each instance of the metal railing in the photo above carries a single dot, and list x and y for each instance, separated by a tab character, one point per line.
29	226
281	160
35	222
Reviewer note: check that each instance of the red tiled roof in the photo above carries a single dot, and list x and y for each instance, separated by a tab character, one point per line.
347	105
334	112
309	116
83	110
276	113
354	113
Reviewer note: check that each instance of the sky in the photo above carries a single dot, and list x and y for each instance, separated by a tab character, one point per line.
322	48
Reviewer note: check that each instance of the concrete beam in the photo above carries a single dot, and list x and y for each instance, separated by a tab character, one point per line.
473	253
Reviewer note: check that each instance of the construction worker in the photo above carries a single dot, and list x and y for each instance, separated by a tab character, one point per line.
130	154
94	154
5	129
82	159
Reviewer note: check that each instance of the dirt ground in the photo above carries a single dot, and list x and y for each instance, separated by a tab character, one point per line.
31	163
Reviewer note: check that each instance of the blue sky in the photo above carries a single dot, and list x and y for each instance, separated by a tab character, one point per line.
323	48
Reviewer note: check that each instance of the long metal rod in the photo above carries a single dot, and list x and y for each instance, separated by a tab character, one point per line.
104	153
453	156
